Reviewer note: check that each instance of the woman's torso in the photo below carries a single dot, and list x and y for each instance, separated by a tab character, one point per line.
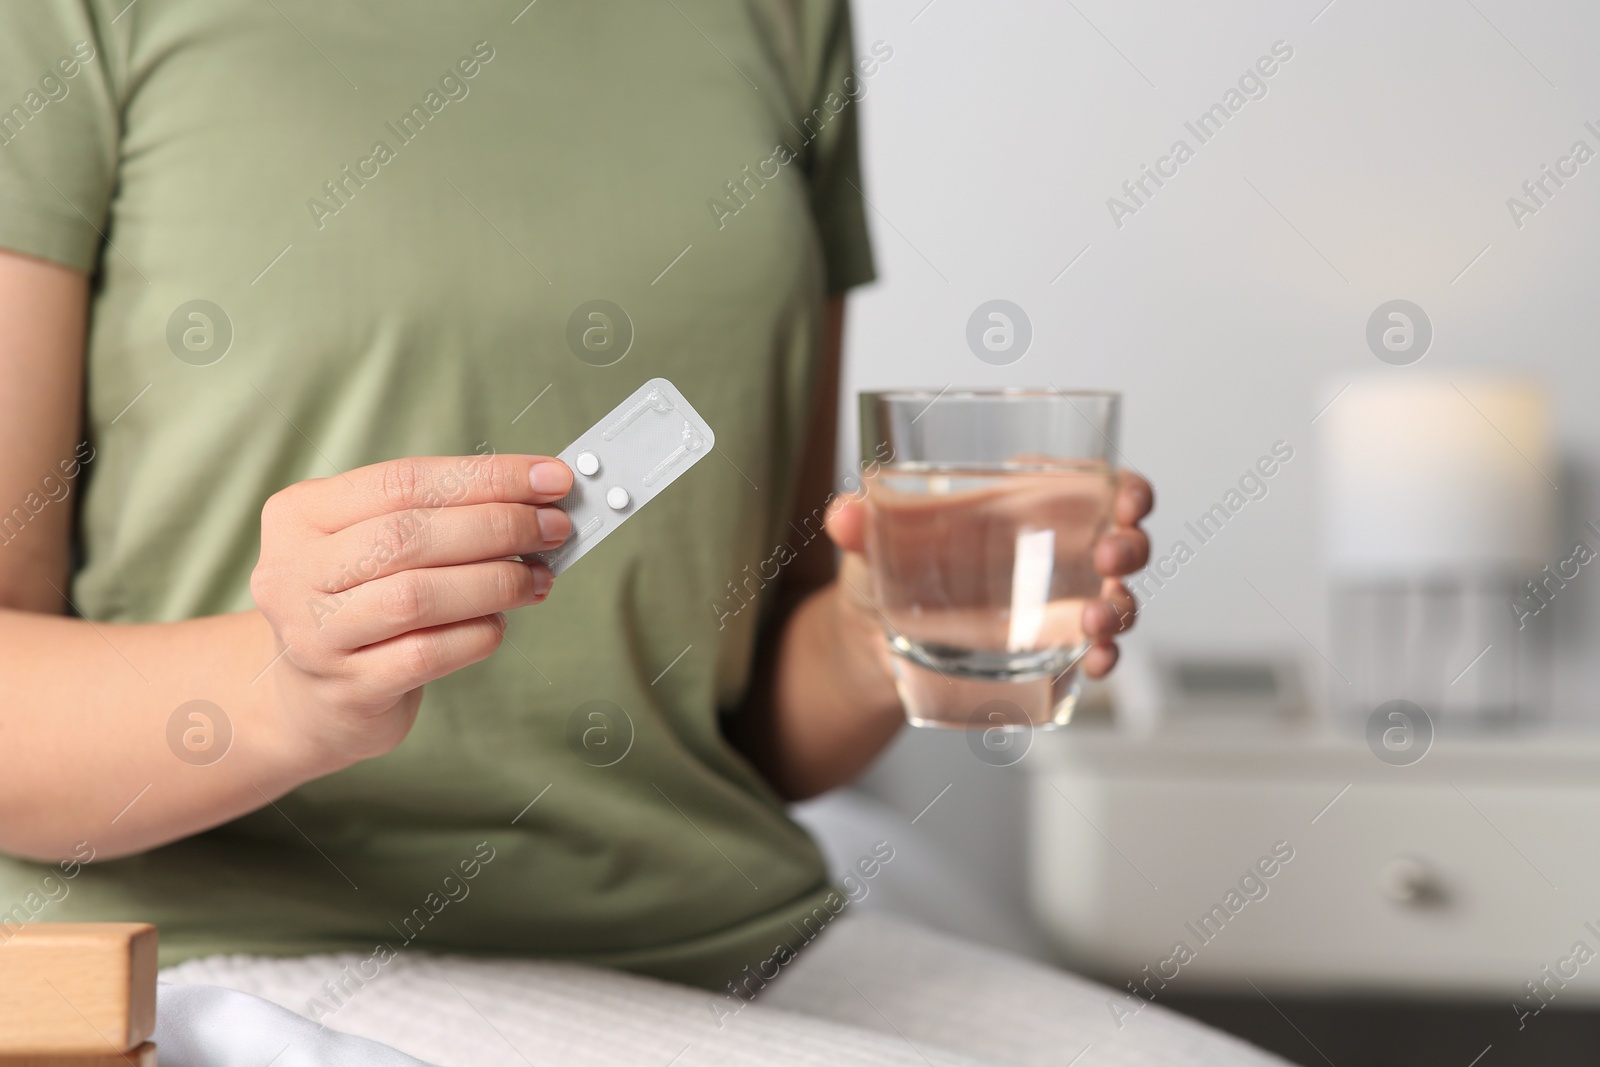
397	210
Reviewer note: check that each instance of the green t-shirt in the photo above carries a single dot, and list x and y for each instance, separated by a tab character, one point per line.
398	209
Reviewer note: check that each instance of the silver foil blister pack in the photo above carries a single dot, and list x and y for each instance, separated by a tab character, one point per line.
621	462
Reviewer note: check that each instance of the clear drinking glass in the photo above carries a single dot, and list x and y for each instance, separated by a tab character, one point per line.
983	509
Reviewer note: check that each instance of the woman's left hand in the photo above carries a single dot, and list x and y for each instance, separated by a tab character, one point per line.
1123	550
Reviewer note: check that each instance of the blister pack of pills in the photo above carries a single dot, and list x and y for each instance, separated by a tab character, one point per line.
621	462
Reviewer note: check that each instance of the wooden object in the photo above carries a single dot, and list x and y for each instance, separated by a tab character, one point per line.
84	991
143	1056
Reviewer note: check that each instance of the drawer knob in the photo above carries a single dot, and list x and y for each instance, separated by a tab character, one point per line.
1409	881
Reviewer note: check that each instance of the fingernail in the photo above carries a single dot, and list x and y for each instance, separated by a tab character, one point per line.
548	478
554	525
542	580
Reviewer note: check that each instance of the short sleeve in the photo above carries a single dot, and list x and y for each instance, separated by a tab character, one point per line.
837	83
59	131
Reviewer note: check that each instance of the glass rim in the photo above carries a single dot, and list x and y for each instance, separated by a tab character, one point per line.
1004	393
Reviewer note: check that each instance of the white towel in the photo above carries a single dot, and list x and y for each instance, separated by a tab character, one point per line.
870	992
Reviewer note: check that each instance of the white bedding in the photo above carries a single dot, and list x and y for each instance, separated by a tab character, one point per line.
209	1026
871	990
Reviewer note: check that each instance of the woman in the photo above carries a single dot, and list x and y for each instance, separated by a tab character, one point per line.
295	301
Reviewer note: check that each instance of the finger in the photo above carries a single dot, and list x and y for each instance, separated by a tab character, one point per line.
1135	498
846	524
1098	661
426	483
403	663
433	596
1112	614
1122	551
446	537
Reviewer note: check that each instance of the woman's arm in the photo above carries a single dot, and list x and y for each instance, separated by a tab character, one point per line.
85	706
823	703
42	319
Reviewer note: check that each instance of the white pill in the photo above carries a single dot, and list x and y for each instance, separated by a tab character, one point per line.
588	464
617	498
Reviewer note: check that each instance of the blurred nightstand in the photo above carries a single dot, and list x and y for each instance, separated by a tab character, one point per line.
1463	874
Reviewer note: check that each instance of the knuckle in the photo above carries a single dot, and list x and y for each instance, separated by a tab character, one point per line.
267	585
404	600
279	508
457	482
395	541
506	526
420	655
495	474
400	482
260	584
271	513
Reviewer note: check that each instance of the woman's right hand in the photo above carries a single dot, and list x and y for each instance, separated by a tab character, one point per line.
378	581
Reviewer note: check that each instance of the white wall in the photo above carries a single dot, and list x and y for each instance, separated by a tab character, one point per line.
1391	141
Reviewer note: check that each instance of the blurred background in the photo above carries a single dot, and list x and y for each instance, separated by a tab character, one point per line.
1377	256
